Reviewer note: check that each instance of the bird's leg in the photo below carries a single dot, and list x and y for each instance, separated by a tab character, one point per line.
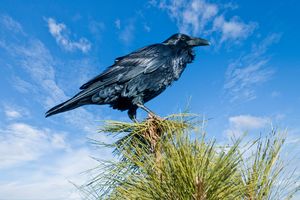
132	114
151	113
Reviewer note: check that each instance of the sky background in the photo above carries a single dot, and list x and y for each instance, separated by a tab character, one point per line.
247	80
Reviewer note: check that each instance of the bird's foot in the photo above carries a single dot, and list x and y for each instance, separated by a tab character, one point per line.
132	115
152	115
134	120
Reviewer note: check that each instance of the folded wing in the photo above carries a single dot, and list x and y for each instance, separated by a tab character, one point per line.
145	60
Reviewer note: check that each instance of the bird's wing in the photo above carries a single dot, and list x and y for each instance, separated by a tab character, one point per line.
145	60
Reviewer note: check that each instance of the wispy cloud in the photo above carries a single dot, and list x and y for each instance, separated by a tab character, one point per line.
96	28
11	24
249	70
22	85
51	182
23	145
248	121
275	94
203	17
118	24
32	56
22	142
39	64
190	16
45	158
234	29
62	36
14	112
242	123
147	27
126	34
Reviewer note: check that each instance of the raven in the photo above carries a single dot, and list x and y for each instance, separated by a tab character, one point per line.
136	78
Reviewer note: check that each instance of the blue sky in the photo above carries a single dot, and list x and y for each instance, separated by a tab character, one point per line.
247	80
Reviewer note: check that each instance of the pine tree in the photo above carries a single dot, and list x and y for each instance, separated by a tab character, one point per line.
169	159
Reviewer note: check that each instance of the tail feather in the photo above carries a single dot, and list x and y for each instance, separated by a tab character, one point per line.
82	98
65	106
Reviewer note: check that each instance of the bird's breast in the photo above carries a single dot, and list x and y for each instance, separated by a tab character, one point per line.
178	66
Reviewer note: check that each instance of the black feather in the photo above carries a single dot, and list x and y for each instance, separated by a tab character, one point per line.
136	78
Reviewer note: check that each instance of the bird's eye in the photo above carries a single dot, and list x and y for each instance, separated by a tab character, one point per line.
182	38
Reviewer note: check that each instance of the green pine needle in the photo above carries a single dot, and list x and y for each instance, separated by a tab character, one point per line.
164	159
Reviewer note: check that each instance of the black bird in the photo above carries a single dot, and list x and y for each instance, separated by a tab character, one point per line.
136	78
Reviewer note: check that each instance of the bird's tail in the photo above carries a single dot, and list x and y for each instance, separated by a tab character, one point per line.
82	98
65	106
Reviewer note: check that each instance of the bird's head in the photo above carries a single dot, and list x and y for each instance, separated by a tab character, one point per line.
185	41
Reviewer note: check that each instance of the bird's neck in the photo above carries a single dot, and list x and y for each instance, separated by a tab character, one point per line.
191	54
187	55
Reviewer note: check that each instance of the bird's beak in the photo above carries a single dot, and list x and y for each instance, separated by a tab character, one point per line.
197	42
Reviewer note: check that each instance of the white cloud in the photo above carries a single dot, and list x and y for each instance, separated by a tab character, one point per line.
243	123
233	29
39	64
127	33
249	70
22	85
96	28
37	162
62	36
275	94
14	112
22	142
30	171
11	24
118	24
293	139
147	28
190	16
202	17
248	122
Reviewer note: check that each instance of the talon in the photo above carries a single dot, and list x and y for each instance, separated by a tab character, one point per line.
154	116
